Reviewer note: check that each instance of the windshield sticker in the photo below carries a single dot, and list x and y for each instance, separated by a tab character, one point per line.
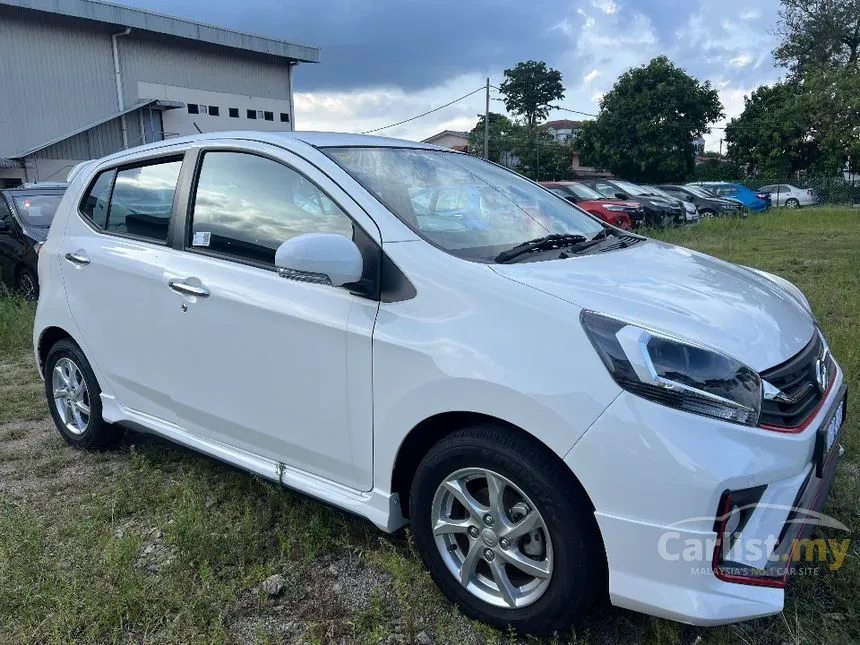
201	238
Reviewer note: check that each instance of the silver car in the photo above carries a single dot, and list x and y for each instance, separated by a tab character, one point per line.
790	196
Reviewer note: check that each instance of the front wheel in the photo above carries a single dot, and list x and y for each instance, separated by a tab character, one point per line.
505	531
707	214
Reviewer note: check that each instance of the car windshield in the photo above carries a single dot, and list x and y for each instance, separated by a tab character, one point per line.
462	204
661	193
698	191
632	189
583	192
37	209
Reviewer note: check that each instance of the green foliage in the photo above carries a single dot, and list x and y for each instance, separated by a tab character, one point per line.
529	88
818	33
716	170
503	137
647	123
811	124
771	136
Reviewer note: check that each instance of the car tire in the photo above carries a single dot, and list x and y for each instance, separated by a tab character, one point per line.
707	214
536	488
27	284
792	203
74	398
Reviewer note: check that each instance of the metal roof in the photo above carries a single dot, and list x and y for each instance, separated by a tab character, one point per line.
149	21
156	103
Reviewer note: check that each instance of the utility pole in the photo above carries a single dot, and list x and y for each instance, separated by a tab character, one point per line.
721	148
487	123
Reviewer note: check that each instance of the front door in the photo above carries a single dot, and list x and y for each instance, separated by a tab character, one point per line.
273	366
112	256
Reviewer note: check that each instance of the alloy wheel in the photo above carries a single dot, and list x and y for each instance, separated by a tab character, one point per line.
71	396
27	286
492	538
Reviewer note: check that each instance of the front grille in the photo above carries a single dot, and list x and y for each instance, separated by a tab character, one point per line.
797	379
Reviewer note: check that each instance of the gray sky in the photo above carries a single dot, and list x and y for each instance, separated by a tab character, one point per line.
386	60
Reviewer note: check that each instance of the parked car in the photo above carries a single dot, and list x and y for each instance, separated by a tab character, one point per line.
659	211
750	199
790	196
555	404
690	210
25	216
620	213
707	205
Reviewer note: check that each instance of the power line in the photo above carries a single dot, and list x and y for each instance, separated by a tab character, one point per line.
436	109
558	107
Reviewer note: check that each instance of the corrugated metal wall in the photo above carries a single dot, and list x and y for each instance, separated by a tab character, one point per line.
170	64
57	77
54	80
102	140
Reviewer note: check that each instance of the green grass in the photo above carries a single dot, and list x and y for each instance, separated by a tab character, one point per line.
152	543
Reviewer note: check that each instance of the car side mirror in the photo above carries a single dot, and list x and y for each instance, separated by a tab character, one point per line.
326	258
620	196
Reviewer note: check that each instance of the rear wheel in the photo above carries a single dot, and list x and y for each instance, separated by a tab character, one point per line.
27	284
505	531
792	203
74	398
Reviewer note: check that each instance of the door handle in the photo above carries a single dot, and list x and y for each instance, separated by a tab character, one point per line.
77	257
188	289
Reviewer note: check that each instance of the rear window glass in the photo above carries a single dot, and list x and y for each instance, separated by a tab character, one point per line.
135	201
37	209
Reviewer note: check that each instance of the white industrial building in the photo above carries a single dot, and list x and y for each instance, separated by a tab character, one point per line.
81	79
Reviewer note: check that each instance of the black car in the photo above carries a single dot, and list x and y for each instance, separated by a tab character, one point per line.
708	205
659	211
25	217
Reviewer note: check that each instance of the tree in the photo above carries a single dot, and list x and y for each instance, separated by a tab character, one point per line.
818	33
772	136
503	137
529	88
832	101
647	123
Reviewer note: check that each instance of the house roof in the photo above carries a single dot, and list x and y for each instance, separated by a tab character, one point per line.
121	16
159	104
561	124
439	135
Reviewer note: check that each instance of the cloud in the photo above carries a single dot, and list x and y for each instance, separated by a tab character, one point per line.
388	60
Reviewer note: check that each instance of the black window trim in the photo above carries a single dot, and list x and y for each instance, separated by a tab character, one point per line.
137	163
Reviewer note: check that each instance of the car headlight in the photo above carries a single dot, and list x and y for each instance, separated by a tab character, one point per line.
614	207
786	286
674	372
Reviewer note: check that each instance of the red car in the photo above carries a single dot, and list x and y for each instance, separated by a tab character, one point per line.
617	212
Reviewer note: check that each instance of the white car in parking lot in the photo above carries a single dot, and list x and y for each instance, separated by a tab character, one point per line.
790	196
555	404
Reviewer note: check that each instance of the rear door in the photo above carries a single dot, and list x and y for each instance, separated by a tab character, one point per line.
274	366
113	256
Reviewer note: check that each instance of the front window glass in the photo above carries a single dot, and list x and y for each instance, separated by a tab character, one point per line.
246	206
698	191
36	209
485	209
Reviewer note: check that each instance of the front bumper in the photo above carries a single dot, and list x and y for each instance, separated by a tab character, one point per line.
656	503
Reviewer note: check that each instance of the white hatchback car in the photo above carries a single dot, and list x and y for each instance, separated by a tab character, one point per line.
790	196
555	404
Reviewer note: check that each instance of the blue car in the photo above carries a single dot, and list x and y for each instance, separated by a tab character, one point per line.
726	190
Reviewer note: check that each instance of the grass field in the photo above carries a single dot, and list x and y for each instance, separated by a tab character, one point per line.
152	543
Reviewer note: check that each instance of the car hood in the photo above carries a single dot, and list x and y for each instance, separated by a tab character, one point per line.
683	292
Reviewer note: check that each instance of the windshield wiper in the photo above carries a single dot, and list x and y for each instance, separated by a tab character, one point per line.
546	243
